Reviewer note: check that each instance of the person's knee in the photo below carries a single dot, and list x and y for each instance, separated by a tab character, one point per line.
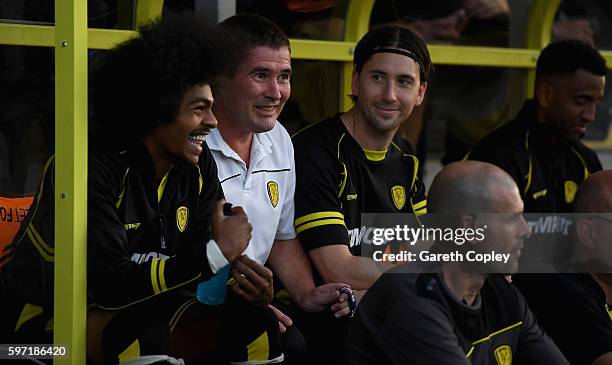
251	335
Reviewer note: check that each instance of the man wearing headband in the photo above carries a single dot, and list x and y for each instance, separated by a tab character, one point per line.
352	163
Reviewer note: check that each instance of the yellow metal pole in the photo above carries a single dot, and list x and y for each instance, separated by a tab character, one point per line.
357	24
539	29
357	19
71	178
147	10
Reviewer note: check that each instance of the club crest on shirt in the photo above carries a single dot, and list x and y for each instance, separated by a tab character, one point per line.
273	193
570	191
398	194
503	355
182	217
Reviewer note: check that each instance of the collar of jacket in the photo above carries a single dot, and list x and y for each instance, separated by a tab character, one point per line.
137	156
543	137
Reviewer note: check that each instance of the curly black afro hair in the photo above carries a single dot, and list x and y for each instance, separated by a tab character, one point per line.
139	84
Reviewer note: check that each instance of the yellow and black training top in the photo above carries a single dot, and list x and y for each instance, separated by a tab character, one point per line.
412	318
547	172
337	181
573	309
144	238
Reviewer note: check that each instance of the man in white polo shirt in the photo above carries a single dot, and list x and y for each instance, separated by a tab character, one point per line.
254	155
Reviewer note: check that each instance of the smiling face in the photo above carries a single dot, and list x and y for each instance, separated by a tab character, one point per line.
252	100
183	137
569	102
387	89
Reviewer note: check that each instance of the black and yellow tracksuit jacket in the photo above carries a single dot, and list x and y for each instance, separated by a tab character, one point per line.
547	173
337	181
143	239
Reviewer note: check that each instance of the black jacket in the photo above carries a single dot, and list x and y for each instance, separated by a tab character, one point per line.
573	310
138	247
547	173
407	318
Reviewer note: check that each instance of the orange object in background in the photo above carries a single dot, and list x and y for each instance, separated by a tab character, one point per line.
12	212
309	6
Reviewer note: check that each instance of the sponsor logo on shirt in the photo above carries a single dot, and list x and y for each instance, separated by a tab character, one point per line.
398	194
182	217
552	224
273	193
357	236
129	226
139	258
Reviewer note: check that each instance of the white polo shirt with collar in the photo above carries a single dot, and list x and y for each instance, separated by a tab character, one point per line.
264	190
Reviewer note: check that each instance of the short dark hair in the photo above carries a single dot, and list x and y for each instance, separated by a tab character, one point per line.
566	57
245	32
393	39
139	84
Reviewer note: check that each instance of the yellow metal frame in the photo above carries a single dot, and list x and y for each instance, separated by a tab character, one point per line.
357	24
147	10
539	29
71	179
304	49
71	39
44	36
483	56
540	21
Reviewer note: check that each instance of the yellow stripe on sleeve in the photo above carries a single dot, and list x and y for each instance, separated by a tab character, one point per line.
321	222
421	211
420	205
154	264
318	215
162	278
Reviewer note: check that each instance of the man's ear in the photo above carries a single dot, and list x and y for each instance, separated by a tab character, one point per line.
544	93
421	94
585	231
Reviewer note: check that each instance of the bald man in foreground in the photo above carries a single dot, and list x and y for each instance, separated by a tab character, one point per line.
574	307
457	314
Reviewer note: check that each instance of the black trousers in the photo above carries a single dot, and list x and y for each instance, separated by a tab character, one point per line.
173	324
